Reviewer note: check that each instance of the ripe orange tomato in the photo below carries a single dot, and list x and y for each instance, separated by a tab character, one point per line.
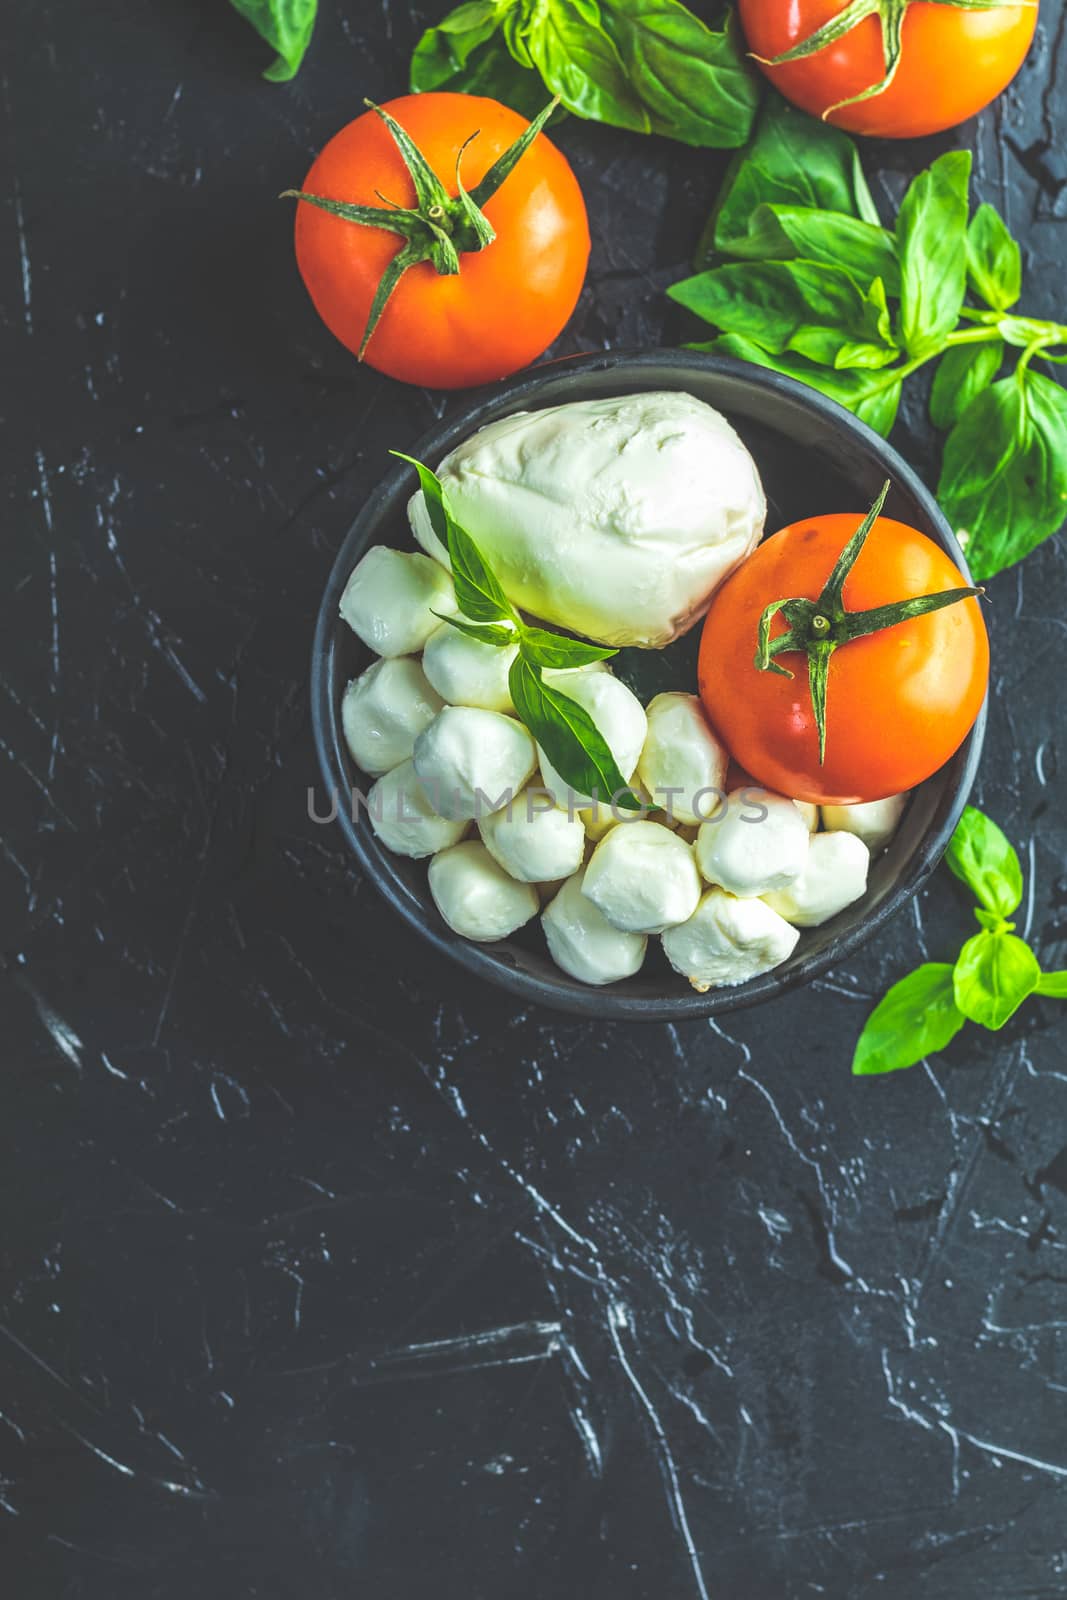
899	702
953	61
507	302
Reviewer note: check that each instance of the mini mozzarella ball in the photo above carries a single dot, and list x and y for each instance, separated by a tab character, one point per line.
834	875
874	821
727	941
601	818
475	895
748	853
810	812
383	712
472	762
469	672
642	878
583	942
681	756
533	839
391	598
403	818
619	716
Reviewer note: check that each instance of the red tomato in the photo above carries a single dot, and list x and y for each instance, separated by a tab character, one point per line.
899	702
506	303
953	61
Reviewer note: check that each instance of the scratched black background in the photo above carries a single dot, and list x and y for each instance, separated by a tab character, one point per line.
706	1317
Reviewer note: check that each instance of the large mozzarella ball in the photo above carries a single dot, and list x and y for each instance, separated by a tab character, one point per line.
476	897
615	518
833	876
533	839
403	818
873	821
758	841
583	942
620	717
683	765
472	762
643	878
728	941
391	598
468	672
384	710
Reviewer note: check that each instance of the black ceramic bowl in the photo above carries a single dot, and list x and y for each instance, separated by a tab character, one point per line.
813	457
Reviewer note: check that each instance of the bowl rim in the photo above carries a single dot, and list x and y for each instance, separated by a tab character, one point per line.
482	959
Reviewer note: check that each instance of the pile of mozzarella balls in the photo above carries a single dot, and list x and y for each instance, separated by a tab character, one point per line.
432	722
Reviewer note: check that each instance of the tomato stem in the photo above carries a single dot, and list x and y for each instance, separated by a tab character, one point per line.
440	227
817	628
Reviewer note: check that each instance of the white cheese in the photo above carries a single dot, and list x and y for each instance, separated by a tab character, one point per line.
473	762
391	597
532	839
383	712
875	821
582	941
403	818
643	878
615	518
728	941
834	875
683	765
476	897
810	813
468	672
758	841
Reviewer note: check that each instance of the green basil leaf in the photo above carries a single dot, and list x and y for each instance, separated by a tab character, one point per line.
994	974
932	238
994	260
778	232
443	53
917	1017
1003	483
544	649
793	160
467	53
695	83
568	735
478	592
286	26
1053	984
581	63
800	306
980	855
962	373
872	396
484	632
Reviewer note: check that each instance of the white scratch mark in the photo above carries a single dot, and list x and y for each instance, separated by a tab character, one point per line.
24	263
63	1036
618	1319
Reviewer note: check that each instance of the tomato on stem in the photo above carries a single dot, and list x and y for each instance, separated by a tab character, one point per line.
840	663
442	238
894	68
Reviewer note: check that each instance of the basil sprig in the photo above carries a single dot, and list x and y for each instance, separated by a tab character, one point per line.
286	26
993	974
647	65
563	728
829	296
